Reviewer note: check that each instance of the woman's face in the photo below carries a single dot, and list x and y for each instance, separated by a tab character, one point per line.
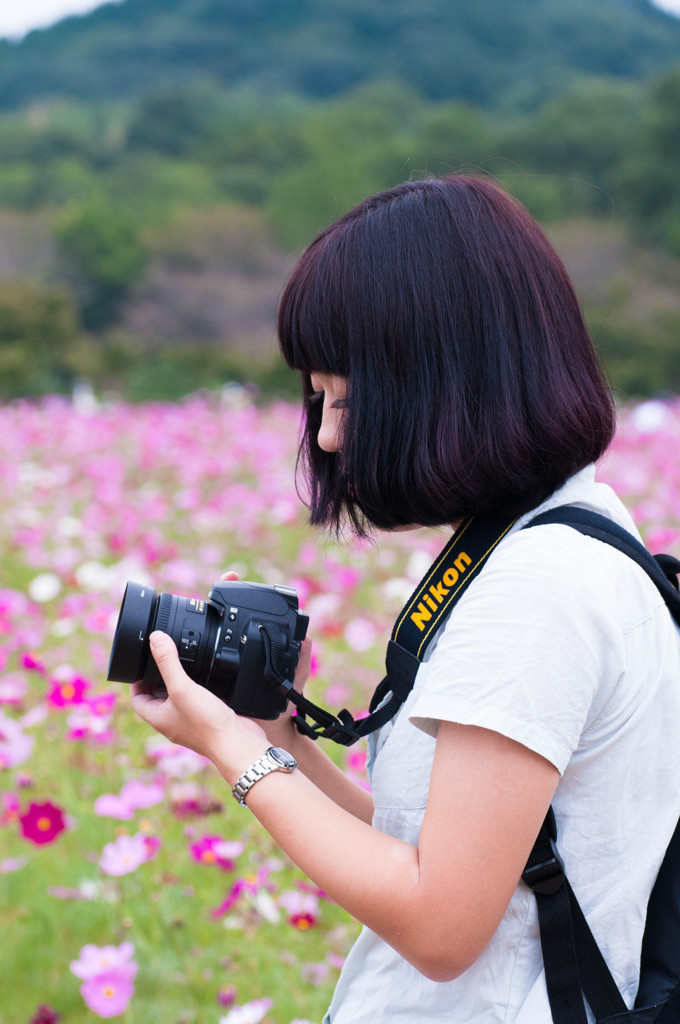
332	391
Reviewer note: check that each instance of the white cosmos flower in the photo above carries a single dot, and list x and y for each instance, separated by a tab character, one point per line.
44	587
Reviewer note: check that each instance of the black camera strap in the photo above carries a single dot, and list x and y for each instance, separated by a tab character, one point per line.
430	604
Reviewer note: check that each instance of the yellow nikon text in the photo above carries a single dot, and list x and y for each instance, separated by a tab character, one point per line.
435	595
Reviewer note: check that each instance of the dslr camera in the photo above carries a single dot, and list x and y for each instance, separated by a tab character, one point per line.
242	643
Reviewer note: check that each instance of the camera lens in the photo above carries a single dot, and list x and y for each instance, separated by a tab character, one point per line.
130	649
191	622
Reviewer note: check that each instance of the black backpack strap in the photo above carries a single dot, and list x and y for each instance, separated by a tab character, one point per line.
574	965
662	569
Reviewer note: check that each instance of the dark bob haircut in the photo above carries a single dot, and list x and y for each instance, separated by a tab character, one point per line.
472	381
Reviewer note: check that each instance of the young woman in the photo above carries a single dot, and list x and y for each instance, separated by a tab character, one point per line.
447	372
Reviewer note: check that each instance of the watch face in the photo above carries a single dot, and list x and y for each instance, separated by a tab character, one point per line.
283	757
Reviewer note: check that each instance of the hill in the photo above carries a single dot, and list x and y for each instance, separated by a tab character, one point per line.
490	53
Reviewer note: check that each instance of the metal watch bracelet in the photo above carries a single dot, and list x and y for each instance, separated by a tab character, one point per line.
273	760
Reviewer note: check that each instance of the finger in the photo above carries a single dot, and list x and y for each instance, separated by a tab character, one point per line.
167	659
229	575
153	691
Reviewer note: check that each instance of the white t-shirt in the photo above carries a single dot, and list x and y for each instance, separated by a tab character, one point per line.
564	645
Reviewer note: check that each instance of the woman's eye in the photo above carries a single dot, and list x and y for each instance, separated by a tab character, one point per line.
316	396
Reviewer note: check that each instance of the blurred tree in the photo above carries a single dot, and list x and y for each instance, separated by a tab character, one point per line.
579	138
351	147
173	121
104	259
648	177
37	328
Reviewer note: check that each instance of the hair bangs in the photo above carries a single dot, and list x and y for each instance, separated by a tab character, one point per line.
311	321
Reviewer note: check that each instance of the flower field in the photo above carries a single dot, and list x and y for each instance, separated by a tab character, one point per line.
132	886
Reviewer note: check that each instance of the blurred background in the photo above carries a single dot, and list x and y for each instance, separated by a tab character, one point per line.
163	161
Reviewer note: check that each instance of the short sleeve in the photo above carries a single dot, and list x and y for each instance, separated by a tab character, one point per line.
532	650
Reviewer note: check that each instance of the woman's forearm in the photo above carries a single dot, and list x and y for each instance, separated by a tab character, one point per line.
370	874
315	763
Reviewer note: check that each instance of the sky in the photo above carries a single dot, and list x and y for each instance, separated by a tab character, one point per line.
18	18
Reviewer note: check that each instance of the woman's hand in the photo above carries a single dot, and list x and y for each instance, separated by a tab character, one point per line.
188	714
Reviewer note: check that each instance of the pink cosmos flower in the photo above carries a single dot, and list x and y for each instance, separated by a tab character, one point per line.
315	973
15	746
12	688
12	864
215	850
135	795
125	854
9	808
91	719
42	823
108	994
141	795
96	960
360	634
109	805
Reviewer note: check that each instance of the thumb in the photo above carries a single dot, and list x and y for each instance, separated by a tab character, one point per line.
167	659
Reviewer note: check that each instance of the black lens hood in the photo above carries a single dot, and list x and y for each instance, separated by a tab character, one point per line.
130	649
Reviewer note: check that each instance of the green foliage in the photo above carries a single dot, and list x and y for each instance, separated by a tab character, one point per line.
173	121
37	330
640	362
102	247
350	147
648	178
140	375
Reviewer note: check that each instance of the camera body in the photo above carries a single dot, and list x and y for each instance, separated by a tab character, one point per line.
220	641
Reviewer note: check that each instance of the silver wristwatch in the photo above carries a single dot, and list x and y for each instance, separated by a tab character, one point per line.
273	760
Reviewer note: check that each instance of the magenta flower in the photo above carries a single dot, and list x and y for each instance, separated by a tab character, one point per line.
215	850
108	994
226	995
153	845
302	907
126	853
188	800
42	823
32	662
102	704
68	692
45	1015
250	885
